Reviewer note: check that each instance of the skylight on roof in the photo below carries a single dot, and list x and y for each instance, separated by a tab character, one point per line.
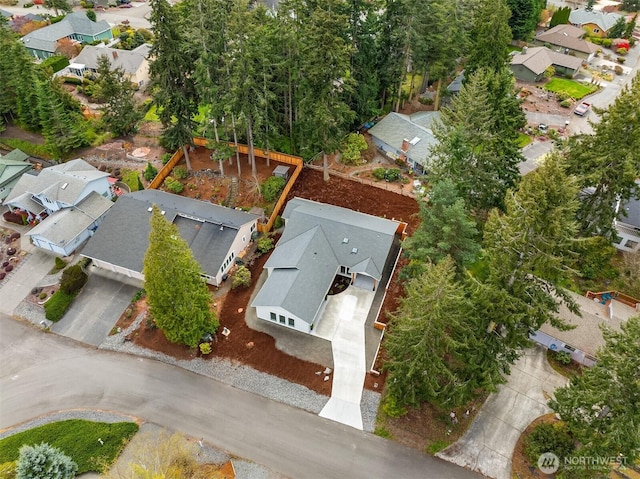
345	240
354	250
415	141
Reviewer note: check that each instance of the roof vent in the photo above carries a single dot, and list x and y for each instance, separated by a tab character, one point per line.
163	212
354	250
221	228
345	240
150	209
64	186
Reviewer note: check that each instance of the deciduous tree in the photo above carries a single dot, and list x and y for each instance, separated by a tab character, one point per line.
179	300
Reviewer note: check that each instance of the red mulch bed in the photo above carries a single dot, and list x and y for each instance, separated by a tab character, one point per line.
257	349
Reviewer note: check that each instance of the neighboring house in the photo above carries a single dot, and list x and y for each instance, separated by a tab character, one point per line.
42	43
321	242
406	137
56	188
66	202
68	228
583	341
133	62
12	167
628	226
531	63
6	14
216	235
567	39
456	85
596	22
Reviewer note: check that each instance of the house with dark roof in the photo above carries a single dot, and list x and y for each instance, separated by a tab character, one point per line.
567	39
42	43
598	23
134	62
531	64
73	192
12	166
216	235
321	242
406	137
628	225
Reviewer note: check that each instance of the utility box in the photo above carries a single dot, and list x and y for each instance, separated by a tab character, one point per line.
281	171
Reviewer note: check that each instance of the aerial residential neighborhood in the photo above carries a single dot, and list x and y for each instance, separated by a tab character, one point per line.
319	239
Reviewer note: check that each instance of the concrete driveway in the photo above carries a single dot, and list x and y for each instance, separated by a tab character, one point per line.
95	311
488	444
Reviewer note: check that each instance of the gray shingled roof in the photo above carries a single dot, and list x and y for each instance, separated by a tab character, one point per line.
63	183
395	127
77	22
123	237
128	60
567	36
12	166
66	224
632	210
538	59
605	20
317	240
5	13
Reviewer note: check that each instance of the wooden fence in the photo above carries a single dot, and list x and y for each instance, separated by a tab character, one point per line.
618	296
243	149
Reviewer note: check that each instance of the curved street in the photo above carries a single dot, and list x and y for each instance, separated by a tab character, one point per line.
42	373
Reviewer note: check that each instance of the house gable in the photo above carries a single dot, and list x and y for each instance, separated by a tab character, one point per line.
12	167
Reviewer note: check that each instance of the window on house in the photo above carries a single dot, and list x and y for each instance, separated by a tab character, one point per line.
273	316
253	227
631	244
596	30
283	320
344	270
569	348
292	323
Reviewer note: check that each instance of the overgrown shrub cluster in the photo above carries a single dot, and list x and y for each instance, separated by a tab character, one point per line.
271	188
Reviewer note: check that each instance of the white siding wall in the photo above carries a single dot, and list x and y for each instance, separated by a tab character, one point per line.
556	345
117	269
240	242
264	312
630	238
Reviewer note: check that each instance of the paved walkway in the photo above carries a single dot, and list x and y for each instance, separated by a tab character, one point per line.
343	323
488	444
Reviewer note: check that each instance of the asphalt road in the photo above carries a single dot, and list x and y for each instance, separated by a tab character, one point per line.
42	373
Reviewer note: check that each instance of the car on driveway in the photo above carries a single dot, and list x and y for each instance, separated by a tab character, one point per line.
582	108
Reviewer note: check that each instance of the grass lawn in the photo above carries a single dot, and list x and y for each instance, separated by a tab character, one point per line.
78	439
572	88
523	140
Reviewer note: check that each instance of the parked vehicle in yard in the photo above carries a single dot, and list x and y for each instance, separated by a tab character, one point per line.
582	108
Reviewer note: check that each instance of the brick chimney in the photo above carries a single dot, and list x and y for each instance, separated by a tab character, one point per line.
405	145
115	54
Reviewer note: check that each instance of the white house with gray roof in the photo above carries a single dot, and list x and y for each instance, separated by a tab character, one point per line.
43	43
134	62
627	225
321	242
406	137
215	234
65	202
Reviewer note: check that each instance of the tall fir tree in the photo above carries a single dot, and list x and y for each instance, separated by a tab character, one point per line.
490	37
607	163
179	300
172	75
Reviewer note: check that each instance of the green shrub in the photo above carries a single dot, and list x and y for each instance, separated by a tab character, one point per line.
72	80
618	69
73	279
150	172
352	148
265	243
622	51
242	277
91	15
271	188
562	96
553	438
594	258
566	103
387	174
620	60
56	63
57	305
131	178
596	40
391	407
278	222
43	295
606	42
165	158
173	185
563	357
139	295
205	348
180	172
60	263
